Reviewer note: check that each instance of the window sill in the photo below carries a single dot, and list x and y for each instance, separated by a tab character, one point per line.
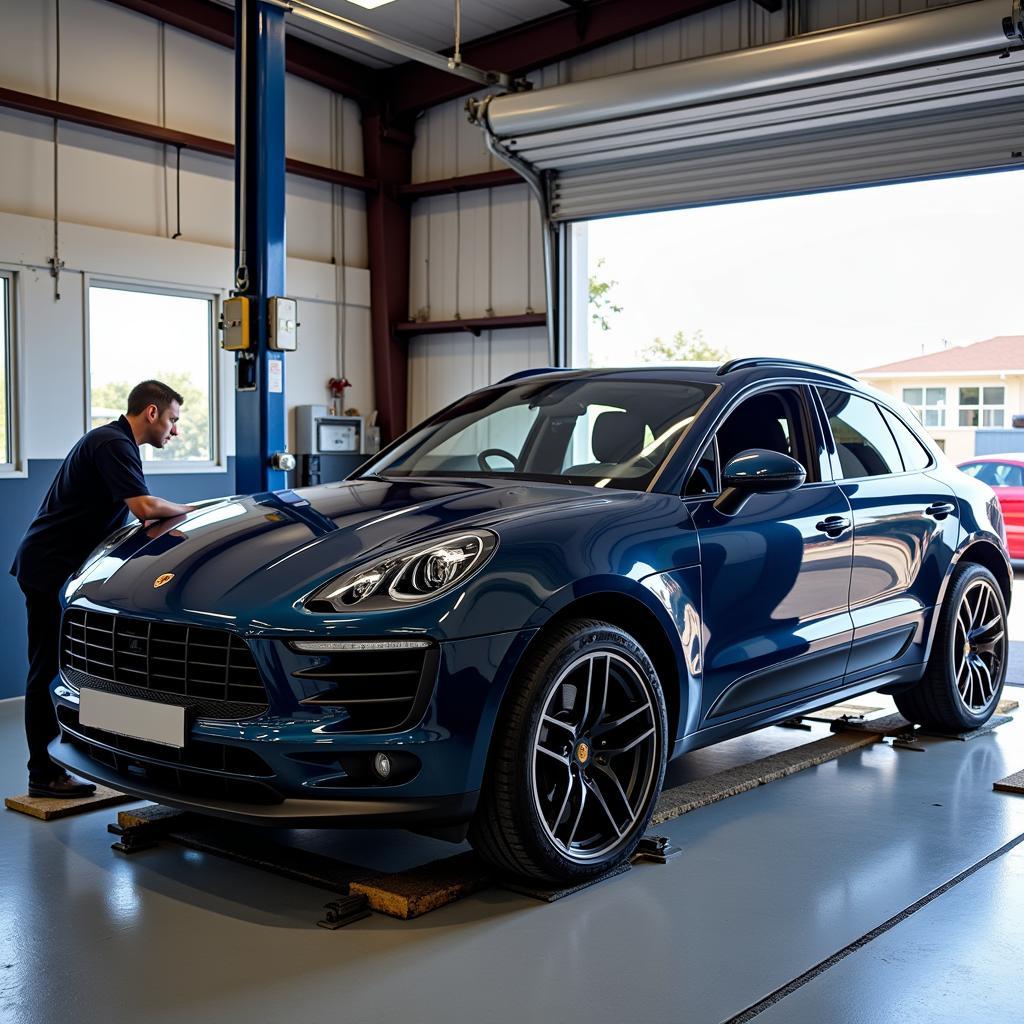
180	468
9	472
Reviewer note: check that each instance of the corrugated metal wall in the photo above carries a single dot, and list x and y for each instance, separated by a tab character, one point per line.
479	253
167	77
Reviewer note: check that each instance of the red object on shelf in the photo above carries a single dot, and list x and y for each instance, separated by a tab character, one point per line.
337	385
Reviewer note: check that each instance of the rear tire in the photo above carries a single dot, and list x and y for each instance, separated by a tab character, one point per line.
967	668
577	760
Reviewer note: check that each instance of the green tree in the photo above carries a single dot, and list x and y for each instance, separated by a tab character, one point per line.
680	349
193	440
601	304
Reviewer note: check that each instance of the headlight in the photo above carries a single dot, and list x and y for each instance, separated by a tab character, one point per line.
407	576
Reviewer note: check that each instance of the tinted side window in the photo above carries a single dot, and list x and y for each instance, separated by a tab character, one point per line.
1008	475
704	479
915	455
864	445
996	474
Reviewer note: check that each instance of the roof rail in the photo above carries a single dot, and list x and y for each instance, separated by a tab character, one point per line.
530	373
749	361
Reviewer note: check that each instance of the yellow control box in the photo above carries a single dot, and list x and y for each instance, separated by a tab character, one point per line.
234	324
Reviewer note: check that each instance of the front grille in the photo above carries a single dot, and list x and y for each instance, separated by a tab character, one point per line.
381	690
170	658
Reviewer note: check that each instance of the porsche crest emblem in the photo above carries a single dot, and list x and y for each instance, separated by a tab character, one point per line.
164	577
582	753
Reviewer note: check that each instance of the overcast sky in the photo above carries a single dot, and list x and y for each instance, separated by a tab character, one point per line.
851	279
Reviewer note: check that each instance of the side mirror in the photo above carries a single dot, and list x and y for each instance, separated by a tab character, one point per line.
757	471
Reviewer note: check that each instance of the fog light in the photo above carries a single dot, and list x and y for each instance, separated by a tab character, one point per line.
382	765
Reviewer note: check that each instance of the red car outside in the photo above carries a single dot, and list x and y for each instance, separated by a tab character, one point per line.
1005	475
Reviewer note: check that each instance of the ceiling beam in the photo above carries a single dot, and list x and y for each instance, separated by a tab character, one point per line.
303	59
535	44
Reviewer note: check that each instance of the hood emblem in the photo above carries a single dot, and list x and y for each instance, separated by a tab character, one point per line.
163	578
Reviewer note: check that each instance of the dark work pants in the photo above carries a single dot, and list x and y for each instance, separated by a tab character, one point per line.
43	652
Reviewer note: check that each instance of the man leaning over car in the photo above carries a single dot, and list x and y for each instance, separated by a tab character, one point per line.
97	485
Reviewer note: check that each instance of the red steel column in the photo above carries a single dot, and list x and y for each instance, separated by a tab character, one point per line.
387	153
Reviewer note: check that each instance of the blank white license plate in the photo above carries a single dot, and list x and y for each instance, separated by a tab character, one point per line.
128	716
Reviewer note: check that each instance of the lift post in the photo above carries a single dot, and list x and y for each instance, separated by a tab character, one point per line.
260	456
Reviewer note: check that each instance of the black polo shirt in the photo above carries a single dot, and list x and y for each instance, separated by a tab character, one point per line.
84	504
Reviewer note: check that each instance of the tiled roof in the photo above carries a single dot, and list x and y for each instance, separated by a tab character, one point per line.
1002	354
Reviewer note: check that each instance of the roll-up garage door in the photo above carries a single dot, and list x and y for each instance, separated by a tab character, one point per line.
934	93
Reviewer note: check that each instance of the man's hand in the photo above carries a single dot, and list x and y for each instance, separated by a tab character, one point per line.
146	506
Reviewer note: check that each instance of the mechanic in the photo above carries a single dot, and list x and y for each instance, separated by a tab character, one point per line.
97	485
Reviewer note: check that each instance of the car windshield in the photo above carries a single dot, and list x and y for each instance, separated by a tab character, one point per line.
601	431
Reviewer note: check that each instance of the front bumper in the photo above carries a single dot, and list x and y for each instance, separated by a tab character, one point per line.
291	811
288	766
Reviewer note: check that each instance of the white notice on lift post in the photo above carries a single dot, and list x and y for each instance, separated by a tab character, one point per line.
275	376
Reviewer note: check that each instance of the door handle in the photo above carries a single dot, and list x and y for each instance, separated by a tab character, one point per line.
833	525
940	509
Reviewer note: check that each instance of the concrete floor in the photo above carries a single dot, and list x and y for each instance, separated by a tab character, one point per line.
771	884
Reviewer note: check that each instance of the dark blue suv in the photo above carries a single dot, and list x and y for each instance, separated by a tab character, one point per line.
514	616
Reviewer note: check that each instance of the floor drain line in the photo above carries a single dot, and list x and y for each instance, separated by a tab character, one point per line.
780	993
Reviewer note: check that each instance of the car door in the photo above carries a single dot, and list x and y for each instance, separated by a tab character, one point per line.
906	527
775	576
1009	488
1007	480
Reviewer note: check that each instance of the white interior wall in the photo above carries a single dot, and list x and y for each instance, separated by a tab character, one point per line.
117	202
479	253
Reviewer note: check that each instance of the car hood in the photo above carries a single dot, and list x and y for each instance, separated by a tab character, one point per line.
243	554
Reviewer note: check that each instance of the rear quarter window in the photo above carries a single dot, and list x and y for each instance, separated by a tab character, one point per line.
915	456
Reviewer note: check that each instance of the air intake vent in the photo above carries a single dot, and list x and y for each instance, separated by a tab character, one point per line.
190	661
381	690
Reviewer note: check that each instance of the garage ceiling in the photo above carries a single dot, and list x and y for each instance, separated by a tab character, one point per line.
427	23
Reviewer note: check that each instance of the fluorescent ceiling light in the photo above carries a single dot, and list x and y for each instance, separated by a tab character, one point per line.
370	4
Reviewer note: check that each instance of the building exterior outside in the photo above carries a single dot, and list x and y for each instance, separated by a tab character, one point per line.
966	396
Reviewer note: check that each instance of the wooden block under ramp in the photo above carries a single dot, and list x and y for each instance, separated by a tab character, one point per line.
47	808
1005	706
411	893
1011	784
149	814
837	711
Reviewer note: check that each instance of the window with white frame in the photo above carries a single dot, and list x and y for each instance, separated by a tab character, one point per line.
138	334
983	406
929	405
6	366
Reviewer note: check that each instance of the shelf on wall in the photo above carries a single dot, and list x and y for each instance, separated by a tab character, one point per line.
473	325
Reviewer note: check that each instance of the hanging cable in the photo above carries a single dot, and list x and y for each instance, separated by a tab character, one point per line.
456	57
56	263
177	194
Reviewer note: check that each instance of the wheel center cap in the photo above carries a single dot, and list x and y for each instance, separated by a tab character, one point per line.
582	752
967	648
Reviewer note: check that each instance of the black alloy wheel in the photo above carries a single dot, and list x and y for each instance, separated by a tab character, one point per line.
578	759
967	668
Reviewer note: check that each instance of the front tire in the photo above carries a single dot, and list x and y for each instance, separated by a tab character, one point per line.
577	760
967	668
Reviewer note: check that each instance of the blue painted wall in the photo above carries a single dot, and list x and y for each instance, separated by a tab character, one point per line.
21	498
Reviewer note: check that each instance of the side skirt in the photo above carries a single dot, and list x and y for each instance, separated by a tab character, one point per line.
891	679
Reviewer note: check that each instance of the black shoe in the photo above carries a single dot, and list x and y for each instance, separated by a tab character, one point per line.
63	787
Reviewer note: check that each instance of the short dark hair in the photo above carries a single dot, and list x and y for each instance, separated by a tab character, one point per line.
152	392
